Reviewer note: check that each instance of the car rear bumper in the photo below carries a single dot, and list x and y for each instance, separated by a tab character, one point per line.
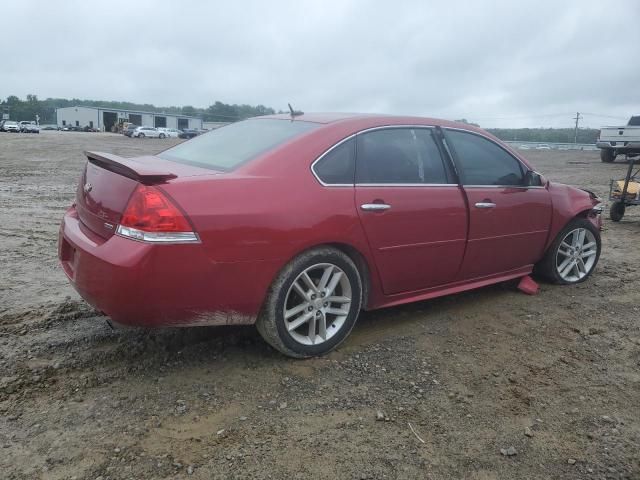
142	284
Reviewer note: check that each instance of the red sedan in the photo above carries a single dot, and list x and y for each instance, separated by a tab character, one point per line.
298	223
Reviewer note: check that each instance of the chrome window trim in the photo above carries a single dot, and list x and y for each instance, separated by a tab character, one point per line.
523	165
367	130
406	185
503	186
326	152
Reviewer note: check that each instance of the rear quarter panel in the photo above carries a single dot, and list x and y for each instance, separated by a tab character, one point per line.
257	218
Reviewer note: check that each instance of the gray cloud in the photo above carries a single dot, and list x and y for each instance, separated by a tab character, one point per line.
498	63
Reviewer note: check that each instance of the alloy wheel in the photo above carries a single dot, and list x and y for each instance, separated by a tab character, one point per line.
317	304
576	255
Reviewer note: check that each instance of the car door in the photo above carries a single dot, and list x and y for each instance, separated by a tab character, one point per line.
509	218
412	211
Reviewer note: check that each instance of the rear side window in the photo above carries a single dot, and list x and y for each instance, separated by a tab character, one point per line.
227	147
483	162
399	156
338	165
634	121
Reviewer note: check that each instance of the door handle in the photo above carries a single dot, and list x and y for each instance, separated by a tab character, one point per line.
485	205
375	207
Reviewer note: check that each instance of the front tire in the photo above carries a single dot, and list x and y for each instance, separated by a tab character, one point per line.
313	304
141	135
573	255
607	155
162	135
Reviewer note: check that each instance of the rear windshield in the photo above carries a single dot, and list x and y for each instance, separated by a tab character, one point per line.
634	121
227	147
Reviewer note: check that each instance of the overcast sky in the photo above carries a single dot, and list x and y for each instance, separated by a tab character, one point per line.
511	63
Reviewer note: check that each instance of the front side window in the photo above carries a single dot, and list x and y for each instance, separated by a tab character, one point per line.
399	156
338	165
483	162
227	147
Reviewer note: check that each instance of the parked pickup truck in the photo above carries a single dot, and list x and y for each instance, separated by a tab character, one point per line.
614	141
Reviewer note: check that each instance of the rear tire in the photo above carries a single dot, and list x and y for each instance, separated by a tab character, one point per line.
302	320
607	155
141	135
162	135
573	255
616	212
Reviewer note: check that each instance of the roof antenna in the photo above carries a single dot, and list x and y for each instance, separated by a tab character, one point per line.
294	113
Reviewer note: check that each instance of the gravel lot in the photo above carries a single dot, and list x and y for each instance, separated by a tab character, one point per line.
494	383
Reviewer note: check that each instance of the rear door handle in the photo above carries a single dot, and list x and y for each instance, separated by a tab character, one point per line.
485	205
375	206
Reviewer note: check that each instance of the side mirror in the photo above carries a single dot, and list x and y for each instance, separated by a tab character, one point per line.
533	179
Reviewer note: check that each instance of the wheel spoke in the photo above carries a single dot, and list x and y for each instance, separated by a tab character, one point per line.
295	310
338	299
565	245
575	269
582	268
565	271
336	311
588	254
325	277
574	238
581	233
312	329
322	327
299	321
588	246
564	253
307	279
301	291
334	282
564	265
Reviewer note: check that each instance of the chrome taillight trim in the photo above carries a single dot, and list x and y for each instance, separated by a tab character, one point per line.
157	237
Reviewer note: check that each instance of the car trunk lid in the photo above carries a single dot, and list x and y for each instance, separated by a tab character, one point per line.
109	180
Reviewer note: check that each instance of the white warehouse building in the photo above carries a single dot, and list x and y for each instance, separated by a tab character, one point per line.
105	118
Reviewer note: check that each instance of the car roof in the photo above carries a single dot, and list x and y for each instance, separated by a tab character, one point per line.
367	120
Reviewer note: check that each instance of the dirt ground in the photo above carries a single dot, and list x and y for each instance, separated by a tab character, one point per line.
555	376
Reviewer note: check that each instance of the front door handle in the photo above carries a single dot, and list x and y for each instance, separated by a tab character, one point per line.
375	207
485	205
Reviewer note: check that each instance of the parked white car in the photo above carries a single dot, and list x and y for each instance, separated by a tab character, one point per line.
147	132
10	126
29	127
169	132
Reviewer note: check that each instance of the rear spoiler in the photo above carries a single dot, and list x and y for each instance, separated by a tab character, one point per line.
144	172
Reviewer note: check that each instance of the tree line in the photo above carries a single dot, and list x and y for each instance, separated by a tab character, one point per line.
31	106
542	135
546	135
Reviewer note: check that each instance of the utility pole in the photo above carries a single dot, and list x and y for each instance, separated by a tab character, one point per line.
575	133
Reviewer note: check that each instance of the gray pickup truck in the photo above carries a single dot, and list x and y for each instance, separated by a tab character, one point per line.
614	141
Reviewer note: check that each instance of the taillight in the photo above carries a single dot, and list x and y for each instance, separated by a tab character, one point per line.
151	216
